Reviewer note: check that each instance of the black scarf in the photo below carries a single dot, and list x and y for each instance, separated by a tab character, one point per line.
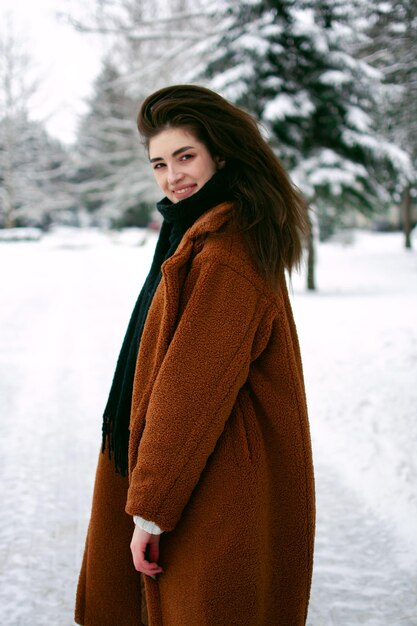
177	219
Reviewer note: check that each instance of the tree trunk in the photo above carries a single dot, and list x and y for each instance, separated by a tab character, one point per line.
311	279
9	220
406	207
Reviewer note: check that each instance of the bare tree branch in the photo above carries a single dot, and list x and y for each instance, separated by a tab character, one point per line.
133	35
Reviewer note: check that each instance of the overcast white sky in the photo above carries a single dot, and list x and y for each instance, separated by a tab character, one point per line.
66	60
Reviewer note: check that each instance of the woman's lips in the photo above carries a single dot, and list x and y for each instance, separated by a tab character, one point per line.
184	192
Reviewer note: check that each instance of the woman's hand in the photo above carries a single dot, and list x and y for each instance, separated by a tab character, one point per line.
139	544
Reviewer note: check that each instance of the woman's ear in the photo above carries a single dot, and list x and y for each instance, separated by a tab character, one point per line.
220	162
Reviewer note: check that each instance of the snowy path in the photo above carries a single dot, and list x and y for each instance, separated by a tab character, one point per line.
64	306
357	579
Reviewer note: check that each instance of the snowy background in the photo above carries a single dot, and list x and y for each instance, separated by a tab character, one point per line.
65	301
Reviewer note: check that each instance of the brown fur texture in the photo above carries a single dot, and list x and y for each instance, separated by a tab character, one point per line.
219	454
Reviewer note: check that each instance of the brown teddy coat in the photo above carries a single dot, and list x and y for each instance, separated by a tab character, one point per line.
219	453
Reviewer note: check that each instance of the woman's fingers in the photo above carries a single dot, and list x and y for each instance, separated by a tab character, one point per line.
150	569
141	563
144	566
139	544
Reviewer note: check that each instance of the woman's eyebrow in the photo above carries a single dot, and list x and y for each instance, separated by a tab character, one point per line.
175	153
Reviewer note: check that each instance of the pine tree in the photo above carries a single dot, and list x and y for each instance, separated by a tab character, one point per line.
291	63
150	47
113	177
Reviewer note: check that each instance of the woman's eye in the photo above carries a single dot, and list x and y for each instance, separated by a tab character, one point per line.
185	157
158	166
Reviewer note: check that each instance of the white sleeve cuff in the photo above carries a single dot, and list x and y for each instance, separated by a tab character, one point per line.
149	527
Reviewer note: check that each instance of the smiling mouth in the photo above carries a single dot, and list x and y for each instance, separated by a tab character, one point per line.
184	190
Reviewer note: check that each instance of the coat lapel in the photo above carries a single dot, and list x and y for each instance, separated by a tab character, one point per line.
175	269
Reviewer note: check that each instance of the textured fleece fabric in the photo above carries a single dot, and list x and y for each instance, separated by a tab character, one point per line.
219	454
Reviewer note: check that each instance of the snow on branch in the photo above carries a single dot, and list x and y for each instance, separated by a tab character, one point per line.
289	105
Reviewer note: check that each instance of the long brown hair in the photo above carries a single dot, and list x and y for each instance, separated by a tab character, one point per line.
268	208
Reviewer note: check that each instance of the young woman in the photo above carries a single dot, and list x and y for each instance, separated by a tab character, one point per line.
203	508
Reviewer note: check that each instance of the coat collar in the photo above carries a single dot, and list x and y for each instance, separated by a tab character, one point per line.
211	221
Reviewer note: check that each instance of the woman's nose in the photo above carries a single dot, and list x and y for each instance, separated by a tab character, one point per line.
174	175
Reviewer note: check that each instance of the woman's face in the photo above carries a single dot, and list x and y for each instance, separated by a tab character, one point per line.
181	163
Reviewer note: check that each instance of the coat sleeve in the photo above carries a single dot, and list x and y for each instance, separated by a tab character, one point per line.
206	364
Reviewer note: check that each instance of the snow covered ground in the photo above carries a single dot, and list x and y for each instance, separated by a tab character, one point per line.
65	301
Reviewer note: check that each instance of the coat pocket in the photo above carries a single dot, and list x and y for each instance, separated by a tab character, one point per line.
245	430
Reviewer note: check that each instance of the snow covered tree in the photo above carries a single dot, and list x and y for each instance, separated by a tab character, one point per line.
34	175
34	183
148	48
290	62
391	46
32	165
113	179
